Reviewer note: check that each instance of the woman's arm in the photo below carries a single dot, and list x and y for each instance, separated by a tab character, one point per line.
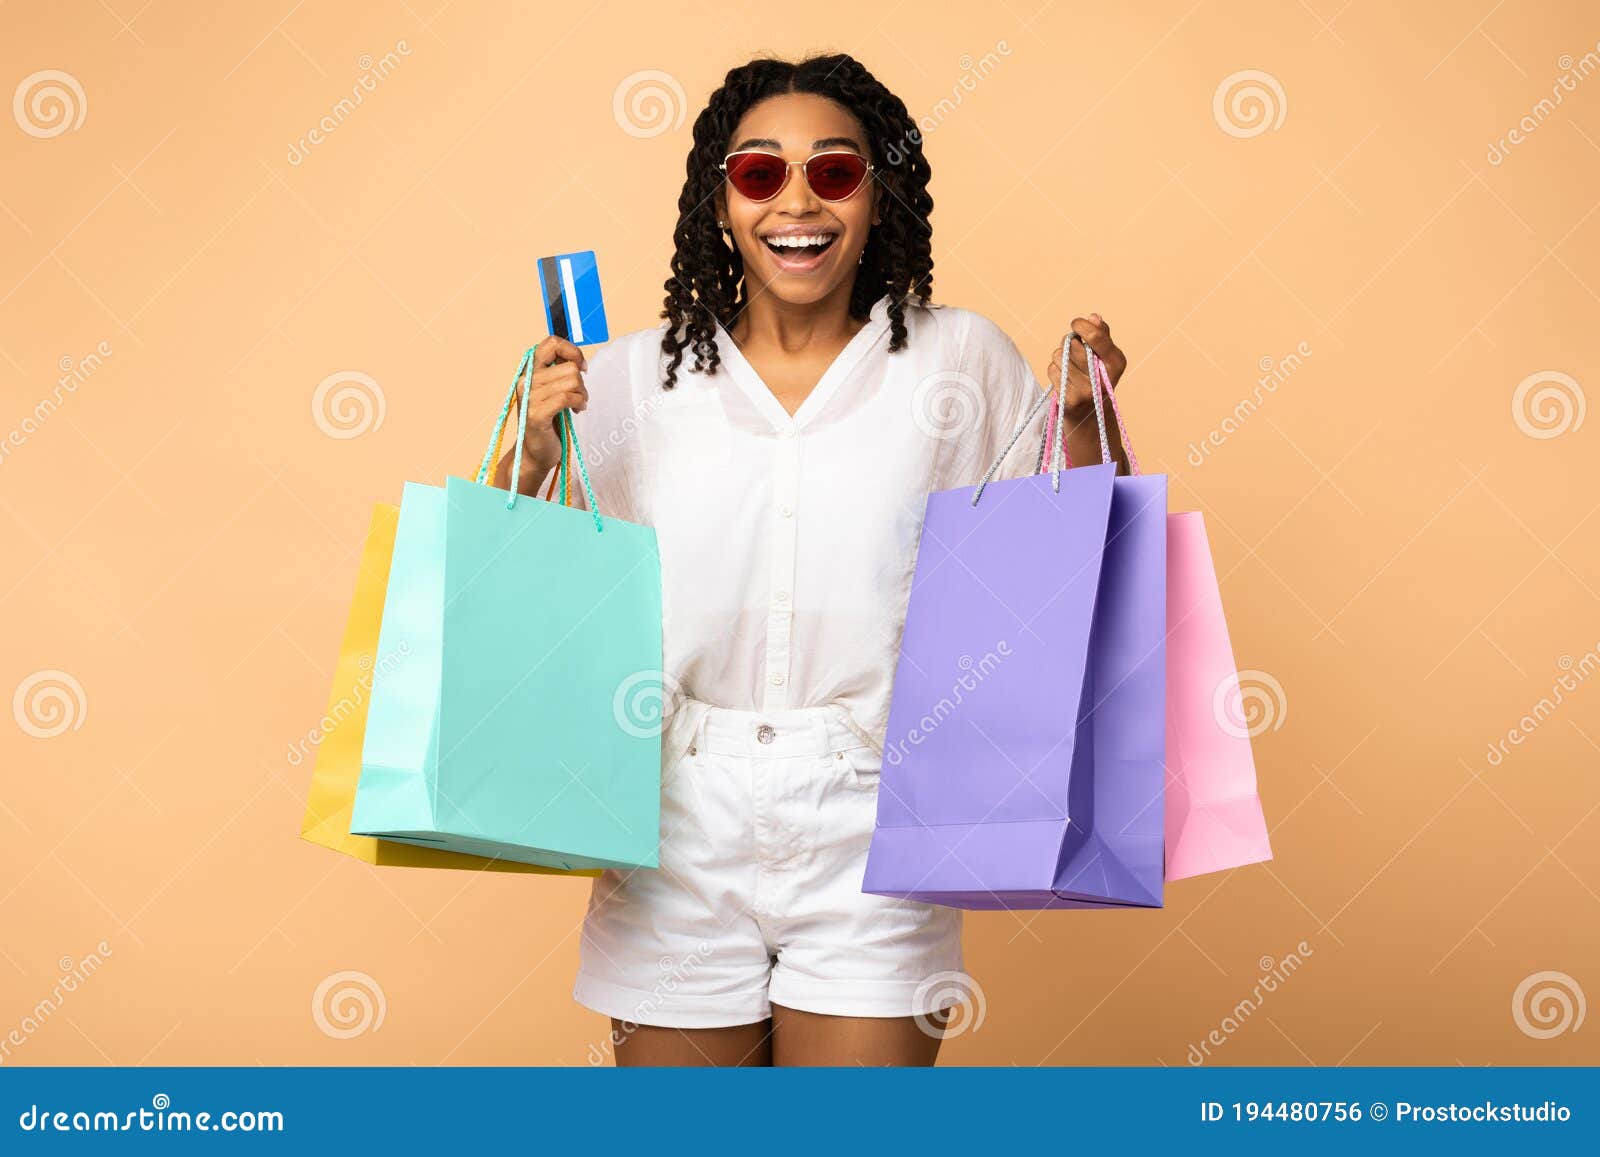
1083	436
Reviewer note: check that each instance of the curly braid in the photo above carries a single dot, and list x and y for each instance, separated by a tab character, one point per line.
707	284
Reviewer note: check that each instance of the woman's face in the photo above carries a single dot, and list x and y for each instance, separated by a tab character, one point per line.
795	126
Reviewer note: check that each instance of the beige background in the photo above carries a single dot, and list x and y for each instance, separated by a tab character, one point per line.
1410	555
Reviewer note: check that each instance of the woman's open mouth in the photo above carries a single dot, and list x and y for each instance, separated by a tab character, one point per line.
799	252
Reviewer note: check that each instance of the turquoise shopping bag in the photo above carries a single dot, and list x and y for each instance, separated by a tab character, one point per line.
529	629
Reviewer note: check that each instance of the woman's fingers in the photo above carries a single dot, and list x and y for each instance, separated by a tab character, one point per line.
554	350
547	403
557	374
556	384
1096	334
1077	391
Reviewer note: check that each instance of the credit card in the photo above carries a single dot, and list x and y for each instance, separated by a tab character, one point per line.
573	308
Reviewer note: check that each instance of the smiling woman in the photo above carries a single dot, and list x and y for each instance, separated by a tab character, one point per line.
831	121
784	469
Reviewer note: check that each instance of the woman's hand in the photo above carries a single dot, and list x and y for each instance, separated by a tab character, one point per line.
557	385
1097	335
1082	433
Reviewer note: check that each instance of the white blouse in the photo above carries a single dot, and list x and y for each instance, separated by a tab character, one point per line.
788	544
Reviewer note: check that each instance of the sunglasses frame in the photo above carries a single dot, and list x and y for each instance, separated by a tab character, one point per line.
789	169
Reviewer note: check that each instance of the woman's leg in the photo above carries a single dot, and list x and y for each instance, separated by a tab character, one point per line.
744	1044
809	1038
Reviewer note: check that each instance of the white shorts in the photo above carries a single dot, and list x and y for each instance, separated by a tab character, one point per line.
765	821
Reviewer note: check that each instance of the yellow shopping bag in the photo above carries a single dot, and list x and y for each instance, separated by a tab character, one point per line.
338	762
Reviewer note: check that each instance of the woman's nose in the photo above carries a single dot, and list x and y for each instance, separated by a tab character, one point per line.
797	197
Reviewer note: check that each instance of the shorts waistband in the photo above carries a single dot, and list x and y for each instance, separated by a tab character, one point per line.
800	731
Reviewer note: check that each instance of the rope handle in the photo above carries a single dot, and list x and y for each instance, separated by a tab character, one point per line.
1102	378
1054	439
569	445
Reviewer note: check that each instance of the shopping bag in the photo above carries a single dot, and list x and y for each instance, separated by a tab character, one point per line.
1022	763
1214	819
536	625
1214	816
337	764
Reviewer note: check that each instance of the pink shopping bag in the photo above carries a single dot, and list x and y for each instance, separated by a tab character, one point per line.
1214	819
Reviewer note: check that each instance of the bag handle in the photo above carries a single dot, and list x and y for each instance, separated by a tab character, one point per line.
1102	379
569	445
1054	439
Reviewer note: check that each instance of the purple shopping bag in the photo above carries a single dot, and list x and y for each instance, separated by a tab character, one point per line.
1023	760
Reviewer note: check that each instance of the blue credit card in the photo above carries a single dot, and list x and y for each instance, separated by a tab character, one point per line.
573	309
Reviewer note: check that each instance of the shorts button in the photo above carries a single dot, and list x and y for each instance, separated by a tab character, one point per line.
765	734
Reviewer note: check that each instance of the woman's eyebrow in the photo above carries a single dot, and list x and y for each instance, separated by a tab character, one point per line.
823	143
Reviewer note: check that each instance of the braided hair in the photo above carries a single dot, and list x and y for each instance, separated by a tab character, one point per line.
707	286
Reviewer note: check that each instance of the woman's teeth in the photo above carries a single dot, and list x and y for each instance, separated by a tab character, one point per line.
800	244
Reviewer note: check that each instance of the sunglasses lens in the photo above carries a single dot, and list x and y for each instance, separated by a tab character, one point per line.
834	176
756	176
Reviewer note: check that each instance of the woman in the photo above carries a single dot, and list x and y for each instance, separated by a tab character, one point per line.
784	472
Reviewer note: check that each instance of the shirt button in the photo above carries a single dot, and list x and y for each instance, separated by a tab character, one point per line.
787	511
783	596
777	680
765	734
786	432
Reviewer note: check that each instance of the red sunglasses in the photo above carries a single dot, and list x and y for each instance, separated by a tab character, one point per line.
761	176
